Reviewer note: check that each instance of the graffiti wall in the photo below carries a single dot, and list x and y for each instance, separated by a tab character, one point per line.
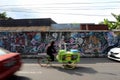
88	43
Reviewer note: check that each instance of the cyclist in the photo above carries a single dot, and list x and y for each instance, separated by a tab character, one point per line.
51	50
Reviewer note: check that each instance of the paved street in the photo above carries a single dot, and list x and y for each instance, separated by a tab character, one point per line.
87	69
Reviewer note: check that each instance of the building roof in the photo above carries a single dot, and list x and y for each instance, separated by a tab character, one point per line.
26	22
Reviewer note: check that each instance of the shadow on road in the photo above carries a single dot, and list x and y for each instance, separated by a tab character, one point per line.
76	71
82	61
15	77
96	60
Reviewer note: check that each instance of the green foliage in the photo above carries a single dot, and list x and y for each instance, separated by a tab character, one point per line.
112	24
3	16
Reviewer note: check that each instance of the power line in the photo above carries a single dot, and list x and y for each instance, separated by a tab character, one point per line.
63	13
66	8
63	8
68	3
78	14
116	2
80	6
18	8
75	8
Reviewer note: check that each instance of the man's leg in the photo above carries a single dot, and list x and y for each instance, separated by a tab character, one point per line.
52	57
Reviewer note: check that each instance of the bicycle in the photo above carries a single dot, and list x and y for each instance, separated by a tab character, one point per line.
68	59
44	60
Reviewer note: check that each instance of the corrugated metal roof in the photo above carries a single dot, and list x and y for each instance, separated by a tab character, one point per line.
26	22
93	27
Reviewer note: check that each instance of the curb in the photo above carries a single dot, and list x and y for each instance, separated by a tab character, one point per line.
37	56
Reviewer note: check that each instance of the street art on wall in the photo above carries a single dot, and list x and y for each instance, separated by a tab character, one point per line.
88	43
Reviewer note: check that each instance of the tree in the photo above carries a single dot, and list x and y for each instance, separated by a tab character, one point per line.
3	16
113	24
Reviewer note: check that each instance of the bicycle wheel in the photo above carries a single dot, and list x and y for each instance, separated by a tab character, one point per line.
69	65
43	62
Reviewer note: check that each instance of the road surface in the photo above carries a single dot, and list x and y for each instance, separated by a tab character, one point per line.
87	69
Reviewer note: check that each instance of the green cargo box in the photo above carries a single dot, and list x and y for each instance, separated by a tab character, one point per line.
68	56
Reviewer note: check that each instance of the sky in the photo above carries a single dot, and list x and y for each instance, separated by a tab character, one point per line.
62	11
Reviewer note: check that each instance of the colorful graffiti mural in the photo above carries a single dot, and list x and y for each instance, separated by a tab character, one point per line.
88	43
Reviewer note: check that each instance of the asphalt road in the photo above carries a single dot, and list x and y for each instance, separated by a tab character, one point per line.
87	69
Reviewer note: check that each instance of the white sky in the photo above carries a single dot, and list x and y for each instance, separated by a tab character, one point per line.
62	11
